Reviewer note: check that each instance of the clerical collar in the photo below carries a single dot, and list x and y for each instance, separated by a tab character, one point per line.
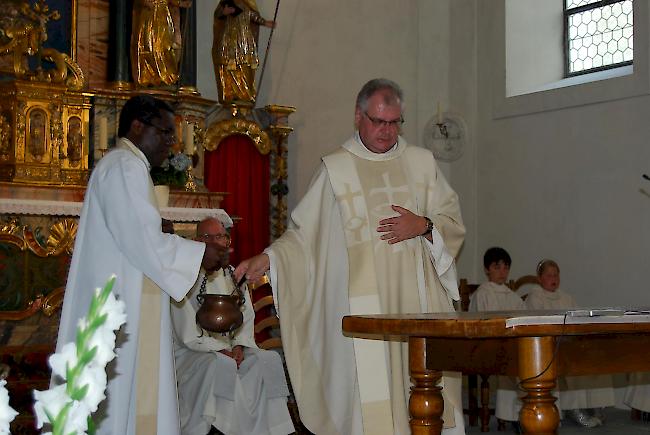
357	147
357	137
127	144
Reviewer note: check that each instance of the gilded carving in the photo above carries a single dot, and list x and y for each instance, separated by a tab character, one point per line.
21	128
280	131
56	133
234	49
50	134
74	138
156	41
23	29
53	301
60	240
37	139
34	267
222	129
5	138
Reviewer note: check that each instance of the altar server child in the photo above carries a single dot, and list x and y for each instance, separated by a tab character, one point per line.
580	397
494	295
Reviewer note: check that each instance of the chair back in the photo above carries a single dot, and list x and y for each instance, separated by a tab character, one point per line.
267	324
520	285
465	289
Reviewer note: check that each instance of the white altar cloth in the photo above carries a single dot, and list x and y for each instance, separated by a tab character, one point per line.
67	208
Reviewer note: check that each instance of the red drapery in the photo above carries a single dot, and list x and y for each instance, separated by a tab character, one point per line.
237	167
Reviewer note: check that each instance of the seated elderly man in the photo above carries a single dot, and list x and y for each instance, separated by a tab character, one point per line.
226	384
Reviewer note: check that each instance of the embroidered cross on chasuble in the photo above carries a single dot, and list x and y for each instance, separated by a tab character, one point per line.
384	278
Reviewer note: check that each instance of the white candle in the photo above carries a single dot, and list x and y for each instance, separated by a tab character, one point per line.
189	139
103	134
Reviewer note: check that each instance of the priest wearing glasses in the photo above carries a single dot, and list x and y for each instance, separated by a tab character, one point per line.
376	232
120	232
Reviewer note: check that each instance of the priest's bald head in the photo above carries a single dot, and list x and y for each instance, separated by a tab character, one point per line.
149	123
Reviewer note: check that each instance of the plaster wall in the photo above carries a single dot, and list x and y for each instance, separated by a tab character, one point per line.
322	52
559	172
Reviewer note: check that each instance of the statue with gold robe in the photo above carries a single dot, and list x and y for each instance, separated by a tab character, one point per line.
156	41
234	49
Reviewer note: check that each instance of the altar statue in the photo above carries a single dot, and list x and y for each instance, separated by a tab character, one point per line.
234	49
75	141
156	41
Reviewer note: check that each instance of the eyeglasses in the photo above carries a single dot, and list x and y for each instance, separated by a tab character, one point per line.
168	132
376	122
225	238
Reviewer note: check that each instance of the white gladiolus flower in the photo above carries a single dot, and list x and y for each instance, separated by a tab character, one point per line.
53	400
72	364
77	421
95	378
66	356
104	340
116	312
7	413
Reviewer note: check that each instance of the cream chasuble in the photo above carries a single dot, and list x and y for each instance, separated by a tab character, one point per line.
333	229
120	232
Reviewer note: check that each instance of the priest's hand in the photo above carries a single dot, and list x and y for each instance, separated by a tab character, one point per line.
253	268
237	353
404	226
215	257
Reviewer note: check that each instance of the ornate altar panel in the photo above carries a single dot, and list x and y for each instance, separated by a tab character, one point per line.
45	134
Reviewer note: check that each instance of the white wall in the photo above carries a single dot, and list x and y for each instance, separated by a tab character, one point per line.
559	173
323	51
551	174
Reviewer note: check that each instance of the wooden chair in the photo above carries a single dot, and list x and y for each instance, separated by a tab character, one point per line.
267	336
473	411
525	280
484	412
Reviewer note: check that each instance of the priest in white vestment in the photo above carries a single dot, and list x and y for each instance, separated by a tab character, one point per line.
376	232
226	382
582	397
120	233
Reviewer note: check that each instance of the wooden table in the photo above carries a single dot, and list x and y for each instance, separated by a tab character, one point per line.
481	343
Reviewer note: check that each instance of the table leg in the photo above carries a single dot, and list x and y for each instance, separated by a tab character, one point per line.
538	375
425	404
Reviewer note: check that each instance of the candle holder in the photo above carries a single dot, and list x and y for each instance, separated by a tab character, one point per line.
190	184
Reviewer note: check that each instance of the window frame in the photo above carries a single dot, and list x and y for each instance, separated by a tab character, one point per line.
567	13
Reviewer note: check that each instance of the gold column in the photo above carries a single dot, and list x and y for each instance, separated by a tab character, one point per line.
280	131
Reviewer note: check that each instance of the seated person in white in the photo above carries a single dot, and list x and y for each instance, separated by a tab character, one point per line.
225	384
582	397
637	393
494	295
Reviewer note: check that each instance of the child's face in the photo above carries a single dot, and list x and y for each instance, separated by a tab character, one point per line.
549	279
498	272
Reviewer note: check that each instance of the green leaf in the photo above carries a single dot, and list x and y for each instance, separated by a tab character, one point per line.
79	393
91	426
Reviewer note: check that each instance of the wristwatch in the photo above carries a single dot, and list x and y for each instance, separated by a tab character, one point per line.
429	226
